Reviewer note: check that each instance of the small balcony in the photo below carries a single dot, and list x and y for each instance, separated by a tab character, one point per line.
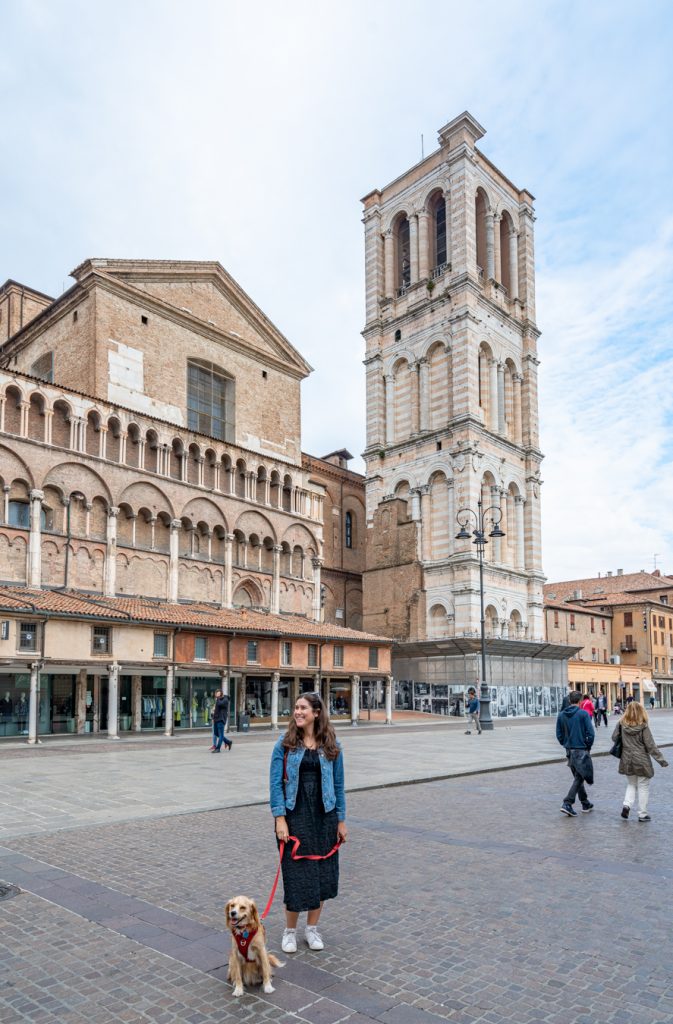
628	647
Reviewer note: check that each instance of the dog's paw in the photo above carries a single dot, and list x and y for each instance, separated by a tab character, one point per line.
238	991
268	988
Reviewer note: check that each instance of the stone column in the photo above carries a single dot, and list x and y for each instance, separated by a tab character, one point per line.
490	247
33	701
317	609
137	702
102	441
48	424
388	262
200	470
413	248
415	397
316	683
426	533
174	560
123	437
501	399
24	412
390	408
113	701
516	388
275	681
110	571
275	582
170	690
5	503
80	701
88	507
228	563
423	247
496	248
451	509
389	700
495	541
493	394
415	498
355	699
423	395
513	264
35	540
520	534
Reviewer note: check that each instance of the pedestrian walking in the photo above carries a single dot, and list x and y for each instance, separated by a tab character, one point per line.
308	801
652	702
638	749
601	709
220	715
587	705
473	711
575	732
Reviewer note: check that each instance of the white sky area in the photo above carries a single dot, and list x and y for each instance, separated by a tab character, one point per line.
248	132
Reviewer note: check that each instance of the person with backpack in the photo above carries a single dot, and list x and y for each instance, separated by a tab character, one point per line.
638	749
575	732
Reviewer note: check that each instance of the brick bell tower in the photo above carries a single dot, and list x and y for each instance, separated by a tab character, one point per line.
452	415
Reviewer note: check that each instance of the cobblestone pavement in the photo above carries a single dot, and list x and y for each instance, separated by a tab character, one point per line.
471	900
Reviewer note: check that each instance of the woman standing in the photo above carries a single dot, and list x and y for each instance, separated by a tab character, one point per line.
308	801
638	749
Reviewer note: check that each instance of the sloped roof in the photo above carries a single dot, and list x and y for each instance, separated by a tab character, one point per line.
596	586
72	604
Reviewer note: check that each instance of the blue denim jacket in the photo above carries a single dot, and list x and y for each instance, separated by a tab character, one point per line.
284	797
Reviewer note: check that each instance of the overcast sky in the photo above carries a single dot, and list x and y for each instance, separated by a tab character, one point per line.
248	132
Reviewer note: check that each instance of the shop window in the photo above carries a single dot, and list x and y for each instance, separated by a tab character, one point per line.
339	700
628	618
286	653
312	655
28	636
373	657
338	656
161	645
252	653
101	641
200	648
349	530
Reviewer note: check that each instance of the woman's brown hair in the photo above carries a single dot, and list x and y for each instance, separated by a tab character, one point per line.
323	730
635	714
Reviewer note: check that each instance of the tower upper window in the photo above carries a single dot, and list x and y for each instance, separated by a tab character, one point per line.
210	400
403	253
349	530
438	214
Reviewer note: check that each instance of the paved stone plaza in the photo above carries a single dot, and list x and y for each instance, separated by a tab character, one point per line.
463	899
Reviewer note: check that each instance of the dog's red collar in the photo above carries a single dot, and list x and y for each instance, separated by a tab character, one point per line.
243	940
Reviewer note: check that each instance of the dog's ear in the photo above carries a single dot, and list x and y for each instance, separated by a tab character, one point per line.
226	909
254	915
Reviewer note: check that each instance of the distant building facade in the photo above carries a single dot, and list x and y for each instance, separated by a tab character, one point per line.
636	652
452	420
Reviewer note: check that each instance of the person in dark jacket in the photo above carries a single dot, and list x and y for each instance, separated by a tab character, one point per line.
575	732
220	715
638	749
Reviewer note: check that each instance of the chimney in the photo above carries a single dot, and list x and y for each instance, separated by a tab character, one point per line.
608	574
657	572
620	572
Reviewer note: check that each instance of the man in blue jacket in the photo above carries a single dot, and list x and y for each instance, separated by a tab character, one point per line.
575	732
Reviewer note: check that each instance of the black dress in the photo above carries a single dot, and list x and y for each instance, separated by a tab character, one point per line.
308	882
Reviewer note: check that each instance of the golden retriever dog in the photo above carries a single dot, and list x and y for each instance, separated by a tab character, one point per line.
249	961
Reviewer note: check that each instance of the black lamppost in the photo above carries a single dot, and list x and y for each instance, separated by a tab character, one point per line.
480	518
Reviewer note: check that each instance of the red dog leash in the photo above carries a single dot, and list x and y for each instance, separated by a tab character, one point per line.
295	856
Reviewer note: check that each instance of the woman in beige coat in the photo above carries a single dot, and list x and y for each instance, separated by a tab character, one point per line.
638	749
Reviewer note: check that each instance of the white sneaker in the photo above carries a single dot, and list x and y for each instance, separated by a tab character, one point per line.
312	936
289	941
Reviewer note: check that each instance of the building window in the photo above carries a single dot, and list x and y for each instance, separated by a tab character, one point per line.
312	655
101	640
605	656
655	638
252	651
161	645
661	622
654	621
656	664
628	641
200	648
572	620
628	618
349	530
593	654
439	225
19	514
338	656
664	599
210	401
556	619
28	636
373	657
593	626
602	625
286	653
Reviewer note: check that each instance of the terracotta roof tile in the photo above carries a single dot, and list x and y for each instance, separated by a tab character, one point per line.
596	586
203	616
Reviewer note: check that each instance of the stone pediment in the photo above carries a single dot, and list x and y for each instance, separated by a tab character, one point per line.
203	292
